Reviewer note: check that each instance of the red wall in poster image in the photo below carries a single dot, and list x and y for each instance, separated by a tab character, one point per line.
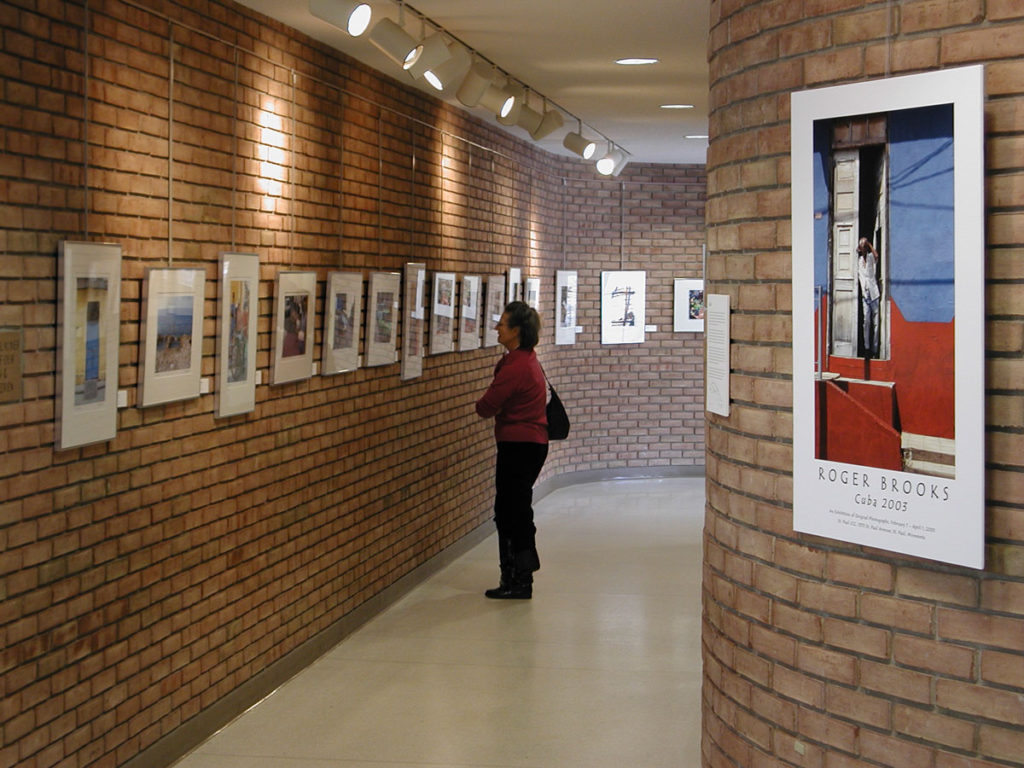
921	365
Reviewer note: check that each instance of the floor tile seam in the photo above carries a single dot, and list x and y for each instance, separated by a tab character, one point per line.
669	670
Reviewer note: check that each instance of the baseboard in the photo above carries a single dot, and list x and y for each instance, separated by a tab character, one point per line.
194	732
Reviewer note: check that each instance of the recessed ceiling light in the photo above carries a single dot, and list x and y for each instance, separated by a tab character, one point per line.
697	136
635	62
677	106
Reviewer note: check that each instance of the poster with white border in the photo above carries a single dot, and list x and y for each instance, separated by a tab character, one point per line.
237	334
172	335
688	310
412	329
469	317
382	318
343	317
88	343
566	286
514	290
533	292
495	307
888	251
623	307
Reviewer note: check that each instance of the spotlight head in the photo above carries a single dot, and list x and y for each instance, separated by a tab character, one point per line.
612	163
550	123
448	72
351	15
575	142
500	101
475	84
394	42
431	52
511	111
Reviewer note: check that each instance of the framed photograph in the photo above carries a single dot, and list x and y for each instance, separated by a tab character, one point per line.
688	310
172	335
442	320
469	317
237	312
343	317
88	337
412	330
382	318
623	307
514	291
566	283
294	326
888	314
494	308
533	292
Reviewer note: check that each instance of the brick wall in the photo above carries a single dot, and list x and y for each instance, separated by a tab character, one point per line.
145	578
818	653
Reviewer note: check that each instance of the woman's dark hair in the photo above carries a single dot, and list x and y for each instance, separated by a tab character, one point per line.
524	317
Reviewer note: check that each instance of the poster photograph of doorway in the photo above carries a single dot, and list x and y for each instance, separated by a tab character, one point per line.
888	265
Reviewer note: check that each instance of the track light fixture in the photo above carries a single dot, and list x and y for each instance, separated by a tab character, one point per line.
511	115
431	52
449	71
536	124
350	15
613	162
499	100
477	80
575	142
395	43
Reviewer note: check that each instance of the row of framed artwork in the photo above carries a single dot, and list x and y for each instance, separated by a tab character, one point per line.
172	327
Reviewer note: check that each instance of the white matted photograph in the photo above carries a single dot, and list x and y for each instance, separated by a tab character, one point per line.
514	289
688	308
294	326
382	318
469	316
172	335
888	306
623	307
493	308
343	317
532	296
566	286
88	337
237	312
412	329
442	318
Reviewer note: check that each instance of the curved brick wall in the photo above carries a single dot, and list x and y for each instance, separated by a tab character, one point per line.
819	653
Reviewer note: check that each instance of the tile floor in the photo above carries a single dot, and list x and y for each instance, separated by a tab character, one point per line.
600	670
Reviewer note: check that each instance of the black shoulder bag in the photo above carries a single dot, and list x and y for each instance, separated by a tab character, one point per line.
558	419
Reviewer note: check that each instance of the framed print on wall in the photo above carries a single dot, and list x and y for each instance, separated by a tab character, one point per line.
888	314
88	337
294	325
382	318
442	320
412	331
532	295
688	309
237	312
514	291
172	335
623	307
343	317
494	308
469	318
566	284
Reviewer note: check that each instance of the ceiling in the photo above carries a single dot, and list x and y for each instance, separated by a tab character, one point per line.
565	51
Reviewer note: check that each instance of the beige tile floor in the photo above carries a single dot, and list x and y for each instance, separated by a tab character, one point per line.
600	670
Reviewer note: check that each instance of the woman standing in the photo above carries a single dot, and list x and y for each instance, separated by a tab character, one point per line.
516	399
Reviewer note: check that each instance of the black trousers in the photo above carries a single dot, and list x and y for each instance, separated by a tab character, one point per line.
516	471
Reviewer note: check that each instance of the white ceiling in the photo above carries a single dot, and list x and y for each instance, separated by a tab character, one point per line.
565	50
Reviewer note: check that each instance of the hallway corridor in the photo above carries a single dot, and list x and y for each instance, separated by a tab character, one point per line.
600	670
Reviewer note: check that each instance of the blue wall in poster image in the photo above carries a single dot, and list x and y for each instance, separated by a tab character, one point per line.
921	212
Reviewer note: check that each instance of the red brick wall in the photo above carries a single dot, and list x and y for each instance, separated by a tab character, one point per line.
145	578
818	653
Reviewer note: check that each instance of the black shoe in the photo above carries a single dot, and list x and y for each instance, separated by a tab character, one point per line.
510	592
